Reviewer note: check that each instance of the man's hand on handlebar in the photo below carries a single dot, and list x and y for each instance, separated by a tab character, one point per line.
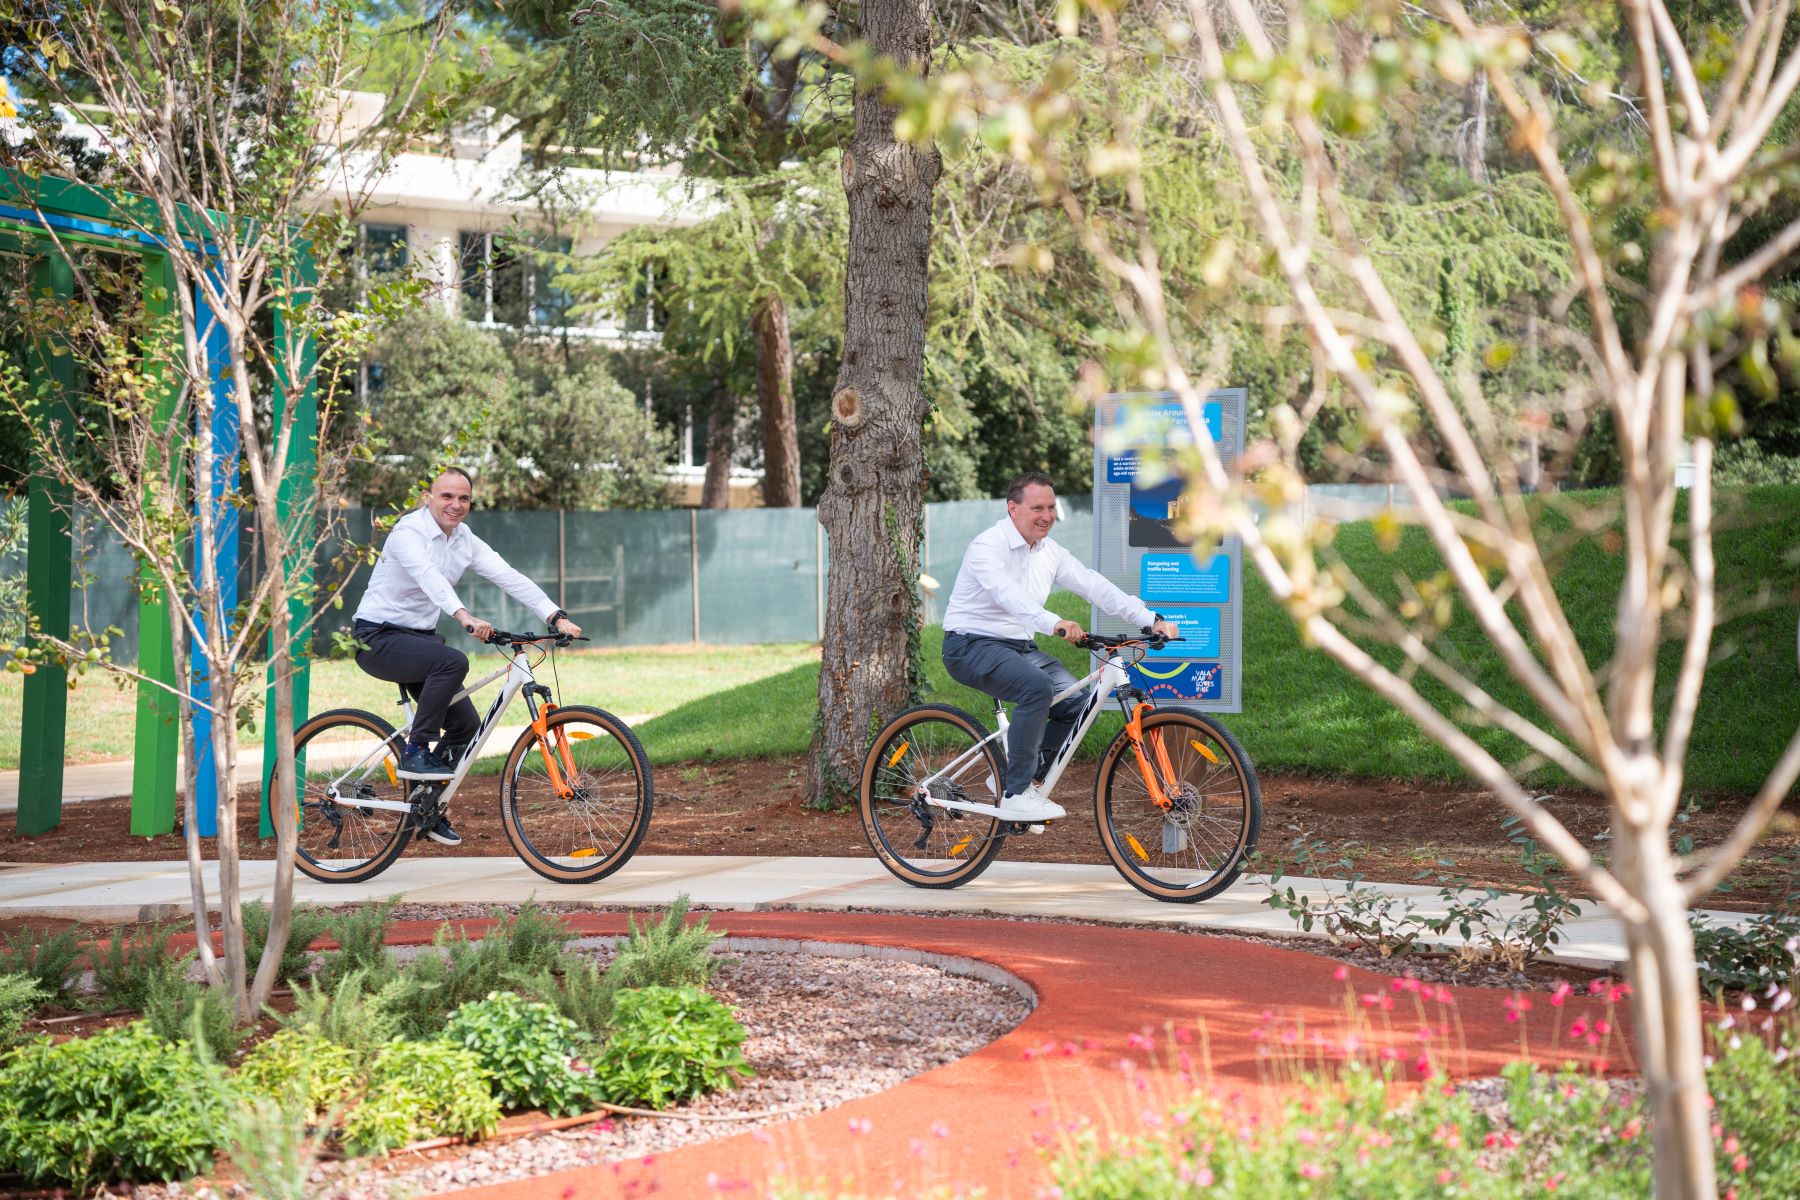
483	630
567	628
1165	629
1069	631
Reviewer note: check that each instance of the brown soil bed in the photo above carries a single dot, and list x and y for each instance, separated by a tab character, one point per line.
1387	830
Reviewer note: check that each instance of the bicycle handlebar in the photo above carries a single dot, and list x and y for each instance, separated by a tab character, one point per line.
501	637
1099	641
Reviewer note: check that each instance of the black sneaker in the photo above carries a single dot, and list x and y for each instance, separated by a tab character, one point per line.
442	834
416	762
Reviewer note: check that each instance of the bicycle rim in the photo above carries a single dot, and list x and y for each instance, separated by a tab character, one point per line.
338	840
1195	847
920	843
581	825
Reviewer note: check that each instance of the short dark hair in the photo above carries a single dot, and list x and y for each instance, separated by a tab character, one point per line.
1015	491
467	478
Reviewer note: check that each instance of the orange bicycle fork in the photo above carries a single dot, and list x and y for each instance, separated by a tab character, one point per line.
1160	779
559	759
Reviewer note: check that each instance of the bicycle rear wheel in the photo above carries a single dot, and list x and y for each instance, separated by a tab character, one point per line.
1196	847
343	756
926	846
576	804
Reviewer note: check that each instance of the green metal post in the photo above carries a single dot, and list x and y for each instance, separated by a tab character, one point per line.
47	580
158	740
296	492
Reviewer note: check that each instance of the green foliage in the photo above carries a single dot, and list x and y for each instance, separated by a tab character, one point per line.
12	568
670	953
178	1009
1745	463
529	1051
460	969
348	1015
20	998
52	959
1755	1086
417	1090
361	935
535	939
131	965
668	1045
301	1063
583	993
122	1104
304	927
271	1142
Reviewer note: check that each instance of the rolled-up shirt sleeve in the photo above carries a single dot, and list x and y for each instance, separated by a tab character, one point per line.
491	567
406	547
1097	589
994	572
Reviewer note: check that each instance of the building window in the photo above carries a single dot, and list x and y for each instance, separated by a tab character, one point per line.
505	280
381	249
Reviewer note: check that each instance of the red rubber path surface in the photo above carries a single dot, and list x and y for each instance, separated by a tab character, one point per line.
1120	1013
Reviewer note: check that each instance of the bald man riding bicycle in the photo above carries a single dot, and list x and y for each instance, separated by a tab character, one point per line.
425	555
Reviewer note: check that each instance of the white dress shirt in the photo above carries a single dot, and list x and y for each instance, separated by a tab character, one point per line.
1003	583
416	576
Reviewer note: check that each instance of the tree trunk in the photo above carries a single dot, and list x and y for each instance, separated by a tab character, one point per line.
775	393
870	508
721	444
1471	138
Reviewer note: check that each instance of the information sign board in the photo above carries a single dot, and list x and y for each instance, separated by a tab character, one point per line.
1138	546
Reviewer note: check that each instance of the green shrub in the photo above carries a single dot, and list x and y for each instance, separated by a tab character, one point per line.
1747	957
1755	1085
180	1010
583	993
121	1104
361	935
669	1045
417	1090
529	1051
126	970
303	1064
51	959
535	940
436	984
668	953
20	997
348	1015
305	925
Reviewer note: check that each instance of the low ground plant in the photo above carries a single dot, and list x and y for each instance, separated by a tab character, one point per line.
418	1090
348	1015
122	1104
305	927
179	1009
583	993
669	1045
52	959
20	998
301	1065
128	968
535	939
531	1053
668	953
361	935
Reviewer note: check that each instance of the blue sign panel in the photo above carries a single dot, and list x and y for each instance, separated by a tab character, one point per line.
1199	633
1166	425
1179	579
1180	680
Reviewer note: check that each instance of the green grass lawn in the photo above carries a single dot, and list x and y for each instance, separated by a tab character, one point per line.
1304	713
627	681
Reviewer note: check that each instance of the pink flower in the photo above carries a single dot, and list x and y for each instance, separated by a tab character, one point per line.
1311	1170
1204	1177
860	1124
1632	1128
1741	1163
1602	1027
1341	974
1561	993
1445	1176
1578	1028
1137	1041
1597	987
939	1129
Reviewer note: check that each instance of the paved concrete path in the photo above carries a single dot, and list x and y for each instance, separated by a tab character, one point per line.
1126	1023
133	890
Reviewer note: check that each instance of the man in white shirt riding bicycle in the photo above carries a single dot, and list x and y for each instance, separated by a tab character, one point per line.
425	555
996	607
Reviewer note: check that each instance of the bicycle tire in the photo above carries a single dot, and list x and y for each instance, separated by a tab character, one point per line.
1178	870
916	743
382	833
607	819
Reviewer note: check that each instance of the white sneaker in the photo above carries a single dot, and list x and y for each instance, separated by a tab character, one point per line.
1031	807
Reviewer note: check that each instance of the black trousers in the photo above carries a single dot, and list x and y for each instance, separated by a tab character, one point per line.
430	671
1018	671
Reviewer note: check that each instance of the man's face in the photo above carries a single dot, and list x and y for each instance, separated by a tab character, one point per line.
449	500
1033	513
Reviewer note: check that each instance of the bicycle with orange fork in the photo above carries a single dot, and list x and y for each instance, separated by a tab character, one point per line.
575	790
1176	799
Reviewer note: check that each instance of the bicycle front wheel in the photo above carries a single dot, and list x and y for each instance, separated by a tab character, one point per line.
940	752
576	802
345	758
1194	848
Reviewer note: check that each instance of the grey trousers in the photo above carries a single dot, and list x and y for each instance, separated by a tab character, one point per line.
1018	672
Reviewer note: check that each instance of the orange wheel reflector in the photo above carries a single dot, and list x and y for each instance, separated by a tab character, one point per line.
393	777
584	852
581	737
1137	848
898	754
1208	755
960	846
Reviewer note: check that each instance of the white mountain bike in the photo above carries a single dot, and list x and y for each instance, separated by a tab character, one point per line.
575	791
1176	799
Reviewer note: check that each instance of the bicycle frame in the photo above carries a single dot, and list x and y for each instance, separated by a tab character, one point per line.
1102	682
519	679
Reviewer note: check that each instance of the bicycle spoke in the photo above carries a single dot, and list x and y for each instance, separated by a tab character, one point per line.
931	753
574	826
